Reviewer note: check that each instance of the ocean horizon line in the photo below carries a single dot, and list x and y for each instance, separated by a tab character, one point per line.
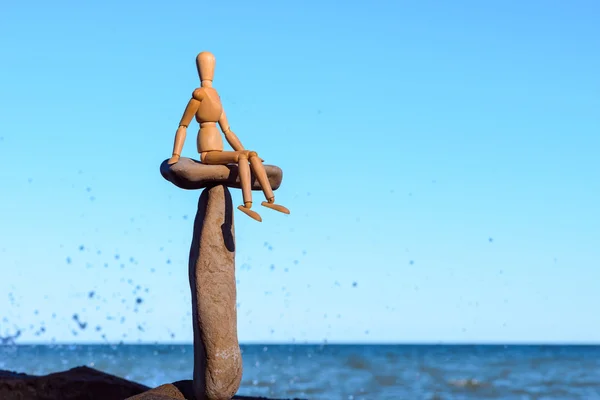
316	343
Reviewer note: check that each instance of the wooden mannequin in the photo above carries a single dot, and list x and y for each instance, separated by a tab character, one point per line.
206	105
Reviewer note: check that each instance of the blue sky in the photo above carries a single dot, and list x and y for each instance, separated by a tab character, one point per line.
440	162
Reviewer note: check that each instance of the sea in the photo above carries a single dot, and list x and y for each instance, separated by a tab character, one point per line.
350	372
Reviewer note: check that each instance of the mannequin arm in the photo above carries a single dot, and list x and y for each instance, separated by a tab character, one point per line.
231	137
180	135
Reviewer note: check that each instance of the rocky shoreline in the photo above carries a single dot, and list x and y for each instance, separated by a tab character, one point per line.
83	383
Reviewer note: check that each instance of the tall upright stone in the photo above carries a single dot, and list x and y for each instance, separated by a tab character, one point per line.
217	356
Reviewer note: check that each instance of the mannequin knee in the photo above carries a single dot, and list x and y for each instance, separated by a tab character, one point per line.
252	154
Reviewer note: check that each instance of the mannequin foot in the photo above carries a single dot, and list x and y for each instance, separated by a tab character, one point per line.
276	207
252	214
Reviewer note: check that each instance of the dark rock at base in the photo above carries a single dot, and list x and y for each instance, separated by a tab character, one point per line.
181	390
83	383
78	383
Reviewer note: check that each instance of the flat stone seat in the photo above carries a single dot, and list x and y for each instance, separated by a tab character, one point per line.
192	174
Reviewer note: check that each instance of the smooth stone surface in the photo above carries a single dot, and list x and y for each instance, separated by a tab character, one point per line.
191	174
217	355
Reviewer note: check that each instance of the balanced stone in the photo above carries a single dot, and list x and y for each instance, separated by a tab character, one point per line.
191	174
217	356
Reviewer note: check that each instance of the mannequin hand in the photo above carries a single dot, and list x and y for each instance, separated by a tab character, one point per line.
173	159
